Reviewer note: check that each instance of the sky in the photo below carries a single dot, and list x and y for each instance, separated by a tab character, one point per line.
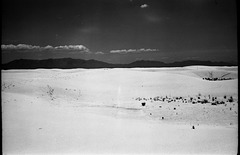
120	31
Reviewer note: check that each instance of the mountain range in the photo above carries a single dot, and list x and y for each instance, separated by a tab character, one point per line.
69	63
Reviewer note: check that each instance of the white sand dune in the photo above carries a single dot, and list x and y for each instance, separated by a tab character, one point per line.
98	111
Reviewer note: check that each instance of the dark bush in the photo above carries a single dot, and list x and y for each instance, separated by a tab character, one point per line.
204	101
221	102
230	99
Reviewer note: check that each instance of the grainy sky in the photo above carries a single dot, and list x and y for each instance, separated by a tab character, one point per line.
120	31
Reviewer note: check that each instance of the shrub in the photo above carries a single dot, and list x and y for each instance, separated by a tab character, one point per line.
204	101
214	103
230	99
221	102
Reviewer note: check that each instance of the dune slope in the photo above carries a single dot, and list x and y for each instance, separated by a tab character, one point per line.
100	111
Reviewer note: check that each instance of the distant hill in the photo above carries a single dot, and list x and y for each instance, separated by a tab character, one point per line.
69	63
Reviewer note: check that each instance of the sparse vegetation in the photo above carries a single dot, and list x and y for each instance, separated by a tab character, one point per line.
230	99
7	86
204	101
211	78
50	92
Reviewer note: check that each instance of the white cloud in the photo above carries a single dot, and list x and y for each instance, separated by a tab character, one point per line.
19	47
134	50
99	52
71	47
76	48
5	47
48	47
118	51
131	50
144	6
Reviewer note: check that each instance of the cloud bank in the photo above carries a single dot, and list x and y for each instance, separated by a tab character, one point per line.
133	50
19	47
25	47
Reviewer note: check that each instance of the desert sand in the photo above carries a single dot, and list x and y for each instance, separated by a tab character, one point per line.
91	111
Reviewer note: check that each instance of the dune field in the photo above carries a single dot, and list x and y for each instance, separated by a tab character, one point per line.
121	111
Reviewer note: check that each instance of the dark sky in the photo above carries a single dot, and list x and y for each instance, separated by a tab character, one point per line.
120	31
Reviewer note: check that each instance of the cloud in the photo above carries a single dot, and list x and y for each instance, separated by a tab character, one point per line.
133	50
29	48
48	47
99	52
71	47
118	51
19	47
144	6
